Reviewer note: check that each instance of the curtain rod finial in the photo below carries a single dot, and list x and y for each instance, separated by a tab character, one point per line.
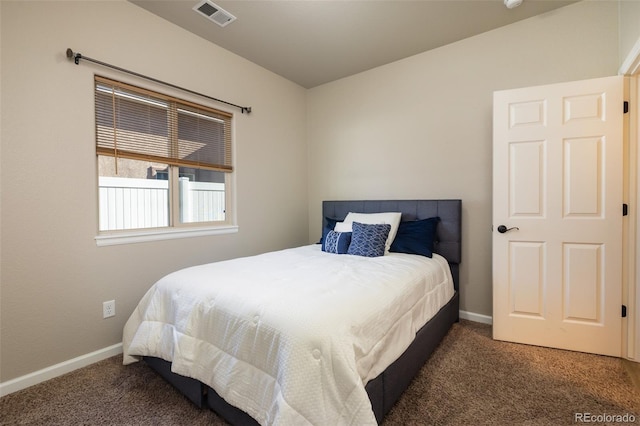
76	57
247	109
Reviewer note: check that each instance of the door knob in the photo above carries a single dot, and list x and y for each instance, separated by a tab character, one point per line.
502	229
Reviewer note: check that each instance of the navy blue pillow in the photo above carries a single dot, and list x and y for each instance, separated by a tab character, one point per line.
336	242
416	237
368	240
329	224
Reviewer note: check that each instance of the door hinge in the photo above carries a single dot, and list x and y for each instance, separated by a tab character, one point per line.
625	107
625	209
624	311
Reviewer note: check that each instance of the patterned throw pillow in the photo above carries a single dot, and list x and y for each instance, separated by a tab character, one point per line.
336	242
369	240
329	224
392	218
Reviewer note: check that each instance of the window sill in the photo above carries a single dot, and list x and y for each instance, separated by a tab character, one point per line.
161	234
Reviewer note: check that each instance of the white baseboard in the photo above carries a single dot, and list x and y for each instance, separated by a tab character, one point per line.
471	316
65	367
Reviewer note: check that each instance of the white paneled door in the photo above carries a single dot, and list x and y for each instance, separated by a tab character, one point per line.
557	215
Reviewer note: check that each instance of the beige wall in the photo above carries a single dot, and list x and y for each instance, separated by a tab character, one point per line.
422	127
629	12
53	276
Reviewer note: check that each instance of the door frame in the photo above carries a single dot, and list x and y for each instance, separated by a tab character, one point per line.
631	280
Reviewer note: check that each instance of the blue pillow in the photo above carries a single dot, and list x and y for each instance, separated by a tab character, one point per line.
416	237
368	240
336	242
329	224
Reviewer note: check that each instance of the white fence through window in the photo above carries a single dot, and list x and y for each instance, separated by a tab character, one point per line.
201	201
130	203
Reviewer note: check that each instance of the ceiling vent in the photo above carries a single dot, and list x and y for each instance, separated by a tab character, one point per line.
214	12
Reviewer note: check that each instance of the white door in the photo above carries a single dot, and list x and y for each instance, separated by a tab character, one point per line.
557	189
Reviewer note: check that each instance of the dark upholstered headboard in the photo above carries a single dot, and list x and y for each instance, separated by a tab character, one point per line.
449	235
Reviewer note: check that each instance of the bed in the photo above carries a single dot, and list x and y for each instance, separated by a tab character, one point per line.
348	369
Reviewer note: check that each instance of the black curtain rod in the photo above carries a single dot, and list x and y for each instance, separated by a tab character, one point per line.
77	56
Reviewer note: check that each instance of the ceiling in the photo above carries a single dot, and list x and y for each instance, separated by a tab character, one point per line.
312	42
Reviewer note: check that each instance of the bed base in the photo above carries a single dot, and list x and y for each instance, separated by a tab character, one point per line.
383	391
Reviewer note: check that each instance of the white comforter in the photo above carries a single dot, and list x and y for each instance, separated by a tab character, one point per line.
292	336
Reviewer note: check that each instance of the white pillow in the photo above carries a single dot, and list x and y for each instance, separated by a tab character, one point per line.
391	218
342	227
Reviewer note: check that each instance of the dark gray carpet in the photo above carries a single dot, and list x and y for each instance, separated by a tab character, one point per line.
469	380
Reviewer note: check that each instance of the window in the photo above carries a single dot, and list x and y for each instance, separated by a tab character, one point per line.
162	162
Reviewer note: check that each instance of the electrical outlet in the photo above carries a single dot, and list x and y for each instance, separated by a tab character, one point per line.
109	309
